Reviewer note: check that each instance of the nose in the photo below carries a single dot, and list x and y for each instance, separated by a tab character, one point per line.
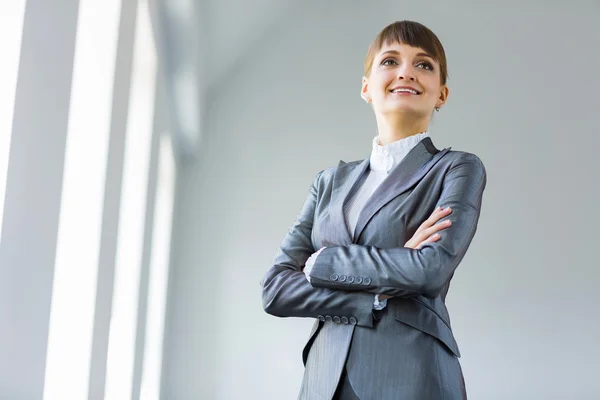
406	72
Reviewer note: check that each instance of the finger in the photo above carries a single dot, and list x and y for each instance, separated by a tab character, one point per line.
429	221
430	239
439	226
422	231
425	233
440	212
410	243
435	229
435	216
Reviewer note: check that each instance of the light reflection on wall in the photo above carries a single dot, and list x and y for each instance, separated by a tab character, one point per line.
82	200
132	215
159	273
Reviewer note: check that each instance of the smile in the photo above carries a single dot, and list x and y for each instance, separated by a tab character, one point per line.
405	92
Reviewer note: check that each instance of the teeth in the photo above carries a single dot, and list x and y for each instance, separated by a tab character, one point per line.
404	90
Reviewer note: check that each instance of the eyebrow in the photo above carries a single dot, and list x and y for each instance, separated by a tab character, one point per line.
397	52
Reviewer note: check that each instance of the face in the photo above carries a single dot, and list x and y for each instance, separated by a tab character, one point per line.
397	65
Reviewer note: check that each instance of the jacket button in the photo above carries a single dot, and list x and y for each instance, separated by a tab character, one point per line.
321	318
333	277
345	320
342	278
337	319
367	281
358	280
328	318
353	320
350	279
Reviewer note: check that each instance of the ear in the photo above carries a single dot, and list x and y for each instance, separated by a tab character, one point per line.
364	91
444	93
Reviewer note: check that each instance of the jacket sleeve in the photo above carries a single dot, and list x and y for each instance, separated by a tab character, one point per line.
287	293
406	272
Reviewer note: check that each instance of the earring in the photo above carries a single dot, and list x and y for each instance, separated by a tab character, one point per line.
437	109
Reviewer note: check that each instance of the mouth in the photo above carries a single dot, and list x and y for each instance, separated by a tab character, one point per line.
405	91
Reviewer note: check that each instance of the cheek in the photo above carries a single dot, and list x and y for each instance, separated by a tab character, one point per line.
382	82
432	95
431	87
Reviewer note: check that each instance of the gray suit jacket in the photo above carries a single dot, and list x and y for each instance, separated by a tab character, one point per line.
410	353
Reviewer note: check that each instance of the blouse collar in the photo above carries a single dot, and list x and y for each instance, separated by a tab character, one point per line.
385	158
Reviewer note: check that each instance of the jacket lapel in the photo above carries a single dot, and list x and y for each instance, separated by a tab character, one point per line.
345	180
413	167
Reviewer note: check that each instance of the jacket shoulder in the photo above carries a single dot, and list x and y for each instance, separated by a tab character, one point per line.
327	174
460	157
464	159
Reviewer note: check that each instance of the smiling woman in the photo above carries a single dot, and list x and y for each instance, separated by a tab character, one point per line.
405	72
374	248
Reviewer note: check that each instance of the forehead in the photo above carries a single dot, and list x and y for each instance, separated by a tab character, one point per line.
402	49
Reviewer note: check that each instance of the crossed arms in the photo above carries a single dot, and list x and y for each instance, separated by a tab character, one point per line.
398	271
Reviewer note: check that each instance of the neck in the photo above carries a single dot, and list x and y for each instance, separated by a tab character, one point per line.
393	128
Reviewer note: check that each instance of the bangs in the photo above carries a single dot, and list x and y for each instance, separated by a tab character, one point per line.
413	34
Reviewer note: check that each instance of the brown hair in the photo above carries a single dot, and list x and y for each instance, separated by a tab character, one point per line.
413	34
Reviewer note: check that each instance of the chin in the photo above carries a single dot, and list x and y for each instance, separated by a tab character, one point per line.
402	109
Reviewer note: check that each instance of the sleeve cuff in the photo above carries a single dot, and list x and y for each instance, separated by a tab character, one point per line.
310	262
379	305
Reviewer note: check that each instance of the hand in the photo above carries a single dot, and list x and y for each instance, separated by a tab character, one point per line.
427	231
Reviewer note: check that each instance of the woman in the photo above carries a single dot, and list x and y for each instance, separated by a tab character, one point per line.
390	231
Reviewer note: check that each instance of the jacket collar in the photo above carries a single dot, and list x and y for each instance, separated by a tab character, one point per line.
413	167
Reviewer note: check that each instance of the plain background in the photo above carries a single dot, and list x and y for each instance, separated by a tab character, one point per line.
271	88
524	89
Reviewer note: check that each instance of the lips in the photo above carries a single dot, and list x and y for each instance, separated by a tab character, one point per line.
397	89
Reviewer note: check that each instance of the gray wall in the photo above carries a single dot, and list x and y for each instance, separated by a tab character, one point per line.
524	97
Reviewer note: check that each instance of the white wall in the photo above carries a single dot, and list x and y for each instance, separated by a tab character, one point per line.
33	195
524	97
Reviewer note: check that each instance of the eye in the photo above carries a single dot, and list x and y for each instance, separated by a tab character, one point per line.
429	66
391	61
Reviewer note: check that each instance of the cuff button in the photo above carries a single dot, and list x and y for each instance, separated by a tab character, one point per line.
353	320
